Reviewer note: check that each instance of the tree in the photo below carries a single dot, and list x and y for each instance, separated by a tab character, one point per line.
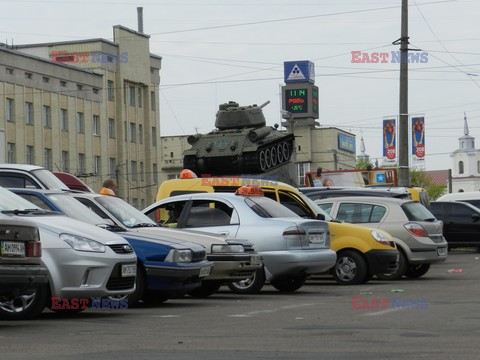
364	164
421	179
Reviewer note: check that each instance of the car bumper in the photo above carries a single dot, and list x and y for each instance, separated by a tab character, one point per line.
428	254
297	262
17	278
382	261
234	266
178	278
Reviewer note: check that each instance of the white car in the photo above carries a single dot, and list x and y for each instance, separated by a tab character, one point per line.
292	248
83	261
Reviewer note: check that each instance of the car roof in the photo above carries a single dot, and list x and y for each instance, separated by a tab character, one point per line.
468	195
390	192
25	167
40	191
373	199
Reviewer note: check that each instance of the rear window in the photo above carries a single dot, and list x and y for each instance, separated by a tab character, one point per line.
183	192
473	202
268	208
417	212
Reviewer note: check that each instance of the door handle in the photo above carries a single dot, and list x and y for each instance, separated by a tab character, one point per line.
224	233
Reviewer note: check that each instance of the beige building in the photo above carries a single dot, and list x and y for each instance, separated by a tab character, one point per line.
86	107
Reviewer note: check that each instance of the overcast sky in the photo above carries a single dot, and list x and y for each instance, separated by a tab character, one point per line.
216	51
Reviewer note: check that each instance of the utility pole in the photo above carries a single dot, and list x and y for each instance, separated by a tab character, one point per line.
403	168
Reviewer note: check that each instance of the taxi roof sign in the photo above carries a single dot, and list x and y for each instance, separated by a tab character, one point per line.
249	190
187	174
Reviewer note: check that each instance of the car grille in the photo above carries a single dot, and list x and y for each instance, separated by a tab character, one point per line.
121	248
125	283
198	256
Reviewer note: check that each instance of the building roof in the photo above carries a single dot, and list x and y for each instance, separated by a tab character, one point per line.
438	177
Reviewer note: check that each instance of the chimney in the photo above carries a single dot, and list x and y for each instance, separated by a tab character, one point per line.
140	19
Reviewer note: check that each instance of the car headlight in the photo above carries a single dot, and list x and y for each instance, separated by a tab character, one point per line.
226	248
380	237
81	243
181	256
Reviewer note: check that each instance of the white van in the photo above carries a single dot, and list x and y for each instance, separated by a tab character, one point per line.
472	197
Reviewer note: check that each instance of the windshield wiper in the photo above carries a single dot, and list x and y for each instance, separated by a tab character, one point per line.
110	227
143	225
25	211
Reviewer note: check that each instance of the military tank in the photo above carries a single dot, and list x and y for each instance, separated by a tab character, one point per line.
240	144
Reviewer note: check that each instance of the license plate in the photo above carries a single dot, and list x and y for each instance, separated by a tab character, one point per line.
129	270
205	271
442	251
255	260
10	248
316	239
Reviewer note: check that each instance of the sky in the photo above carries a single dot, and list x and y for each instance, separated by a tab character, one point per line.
217	51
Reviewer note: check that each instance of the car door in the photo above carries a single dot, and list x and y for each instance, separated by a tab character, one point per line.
461	224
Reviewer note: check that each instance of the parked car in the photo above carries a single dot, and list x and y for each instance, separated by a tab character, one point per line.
292	248
361	252
72	181
471	197
167	267
232	259
415	230
83	261
29	176
461	222
21	271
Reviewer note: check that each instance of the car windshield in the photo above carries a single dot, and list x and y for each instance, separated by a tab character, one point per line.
315	207
268	208
75	209
10	201
417	212
124	212
49	180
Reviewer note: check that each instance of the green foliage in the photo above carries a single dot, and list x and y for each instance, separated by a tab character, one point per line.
363	164
421	179
435	191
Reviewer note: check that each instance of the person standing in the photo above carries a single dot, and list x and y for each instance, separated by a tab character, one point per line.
109	187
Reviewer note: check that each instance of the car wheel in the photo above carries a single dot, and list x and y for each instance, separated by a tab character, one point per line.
416	271
290	284
401	270
350	268
26	306
206	289
251	285
140	285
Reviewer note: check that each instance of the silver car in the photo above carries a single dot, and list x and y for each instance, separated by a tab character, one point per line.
414	229
83	261
292	248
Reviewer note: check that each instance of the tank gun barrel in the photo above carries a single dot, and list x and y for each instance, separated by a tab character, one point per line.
264	104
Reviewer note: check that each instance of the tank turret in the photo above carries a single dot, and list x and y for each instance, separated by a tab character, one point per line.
240	144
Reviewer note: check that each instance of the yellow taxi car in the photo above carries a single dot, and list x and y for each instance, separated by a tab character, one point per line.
361	252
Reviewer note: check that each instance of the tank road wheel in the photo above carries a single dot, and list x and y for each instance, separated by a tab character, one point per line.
273	154
286	152
263	164
268	159
280	153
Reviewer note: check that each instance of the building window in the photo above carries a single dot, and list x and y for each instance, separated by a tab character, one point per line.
10	110
64	119
478	167
96	125
126	130
142	171
131	91
29	155
9	71
135	203
460	167
139	97
28	113
65	162
113	167
46	117
154	136
63	83
152	100
111	90
45	80
140	133
154	174
111	128
28	75
97	165
142	202
48	159
11	153
80	122
133	170
302	169
81	163
79	87
95	90
133	133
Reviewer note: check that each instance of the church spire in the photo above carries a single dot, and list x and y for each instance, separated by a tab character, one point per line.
465	124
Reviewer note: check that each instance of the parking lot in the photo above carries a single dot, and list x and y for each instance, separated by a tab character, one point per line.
317	322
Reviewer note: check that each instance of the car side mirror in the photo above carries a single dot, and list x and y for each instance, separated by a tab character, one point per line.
320	217
475	217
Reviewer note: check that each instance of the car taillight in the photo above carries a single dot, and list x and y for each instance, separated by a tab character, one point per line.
33	249
294	233
416	229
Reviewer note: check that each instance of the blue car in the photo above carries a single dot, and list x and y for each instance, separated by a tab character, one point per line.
167	268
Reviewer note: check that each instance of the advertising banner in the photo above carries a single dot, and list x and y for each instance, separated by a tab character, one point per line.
389	141
418	138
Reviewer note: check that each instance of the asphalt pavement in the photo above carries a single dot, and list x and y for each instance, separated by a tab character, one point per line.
434	317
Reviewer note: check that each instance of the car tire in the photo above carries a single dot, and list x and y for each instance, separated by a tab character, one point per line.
251	285
350	268
416	271
288	284
26	306
140	286
206	289
401	270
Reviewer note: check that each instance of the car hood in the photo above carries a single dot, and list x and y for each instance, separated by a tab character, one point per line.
202	238
161	239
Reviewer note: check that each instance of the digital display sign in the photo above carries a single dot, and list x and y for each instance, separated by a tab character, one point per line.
296	100
300	100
